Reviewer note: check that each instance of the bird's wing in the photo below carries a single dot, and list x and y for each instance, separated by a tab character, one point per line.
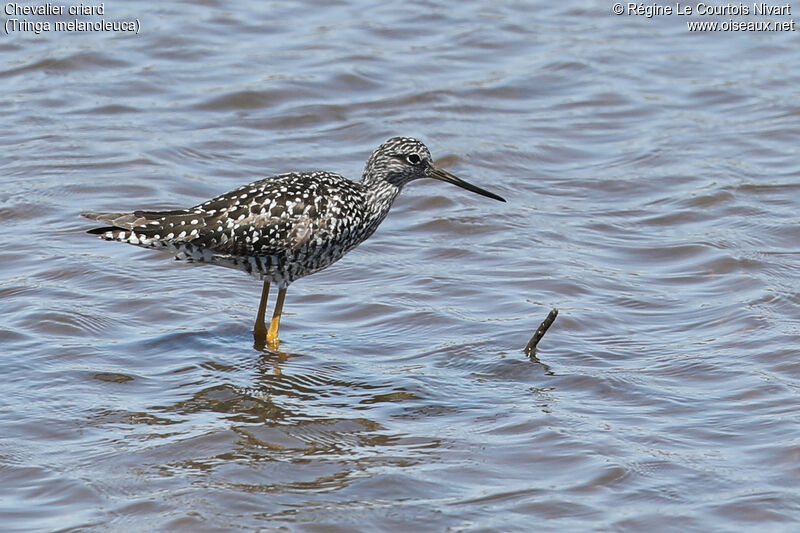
270	216
266	217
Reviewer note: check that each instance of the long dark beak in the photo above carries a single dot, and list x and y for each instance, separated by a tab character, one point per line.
443	175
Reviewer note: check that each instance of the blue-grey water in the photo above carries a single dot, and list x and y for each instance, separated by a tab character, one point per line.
653	179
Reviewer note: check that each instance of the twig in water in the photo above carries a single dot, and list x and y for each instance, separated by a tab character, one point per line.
530	349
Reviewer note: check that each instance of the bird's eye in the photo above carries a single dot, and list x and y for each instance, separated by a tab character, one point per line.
413	159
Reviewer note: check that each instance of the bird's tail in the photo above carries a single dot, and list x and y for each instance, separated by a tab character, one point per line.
146	228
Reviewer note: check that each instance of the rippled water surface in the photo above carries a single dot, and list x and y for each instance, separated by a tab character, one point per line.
652	178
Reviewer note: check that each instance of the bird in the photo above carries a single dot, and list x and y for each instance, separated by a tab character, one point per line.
284	227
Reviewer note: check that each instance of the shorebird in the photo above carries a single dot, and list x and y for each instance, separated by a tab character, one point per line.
284	227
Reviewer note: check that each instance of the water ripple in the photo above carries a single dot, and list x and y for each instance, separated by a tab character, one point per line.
652	198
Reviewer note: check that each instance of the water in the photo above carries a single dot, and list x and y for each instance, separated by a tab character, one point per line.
652	178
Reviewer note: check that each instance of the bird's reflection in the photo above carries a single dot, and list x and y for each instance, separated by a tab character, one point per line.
273	356
270	356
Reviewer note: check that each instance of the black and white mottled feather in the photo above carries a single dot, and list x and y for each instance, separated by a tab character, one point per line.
287	226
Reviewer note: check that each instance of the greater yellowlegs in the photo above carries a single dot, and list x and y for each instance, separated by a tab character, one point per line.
282	228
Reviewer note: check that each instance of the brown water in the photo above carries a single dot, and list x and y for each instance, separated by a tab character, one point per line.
652	178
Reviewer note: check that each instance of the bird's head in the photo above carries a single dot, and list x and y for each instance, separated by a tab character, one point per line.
403	159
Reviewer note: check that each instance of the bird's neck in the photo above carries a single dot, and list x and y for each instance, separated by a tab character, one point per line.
379	195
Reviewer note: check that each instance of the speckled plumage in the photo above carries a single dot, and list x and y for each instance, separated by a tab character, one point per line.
282	228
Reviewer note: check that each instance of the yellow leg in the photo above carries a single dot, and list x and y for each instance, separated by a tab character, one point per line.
260	329
272	335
